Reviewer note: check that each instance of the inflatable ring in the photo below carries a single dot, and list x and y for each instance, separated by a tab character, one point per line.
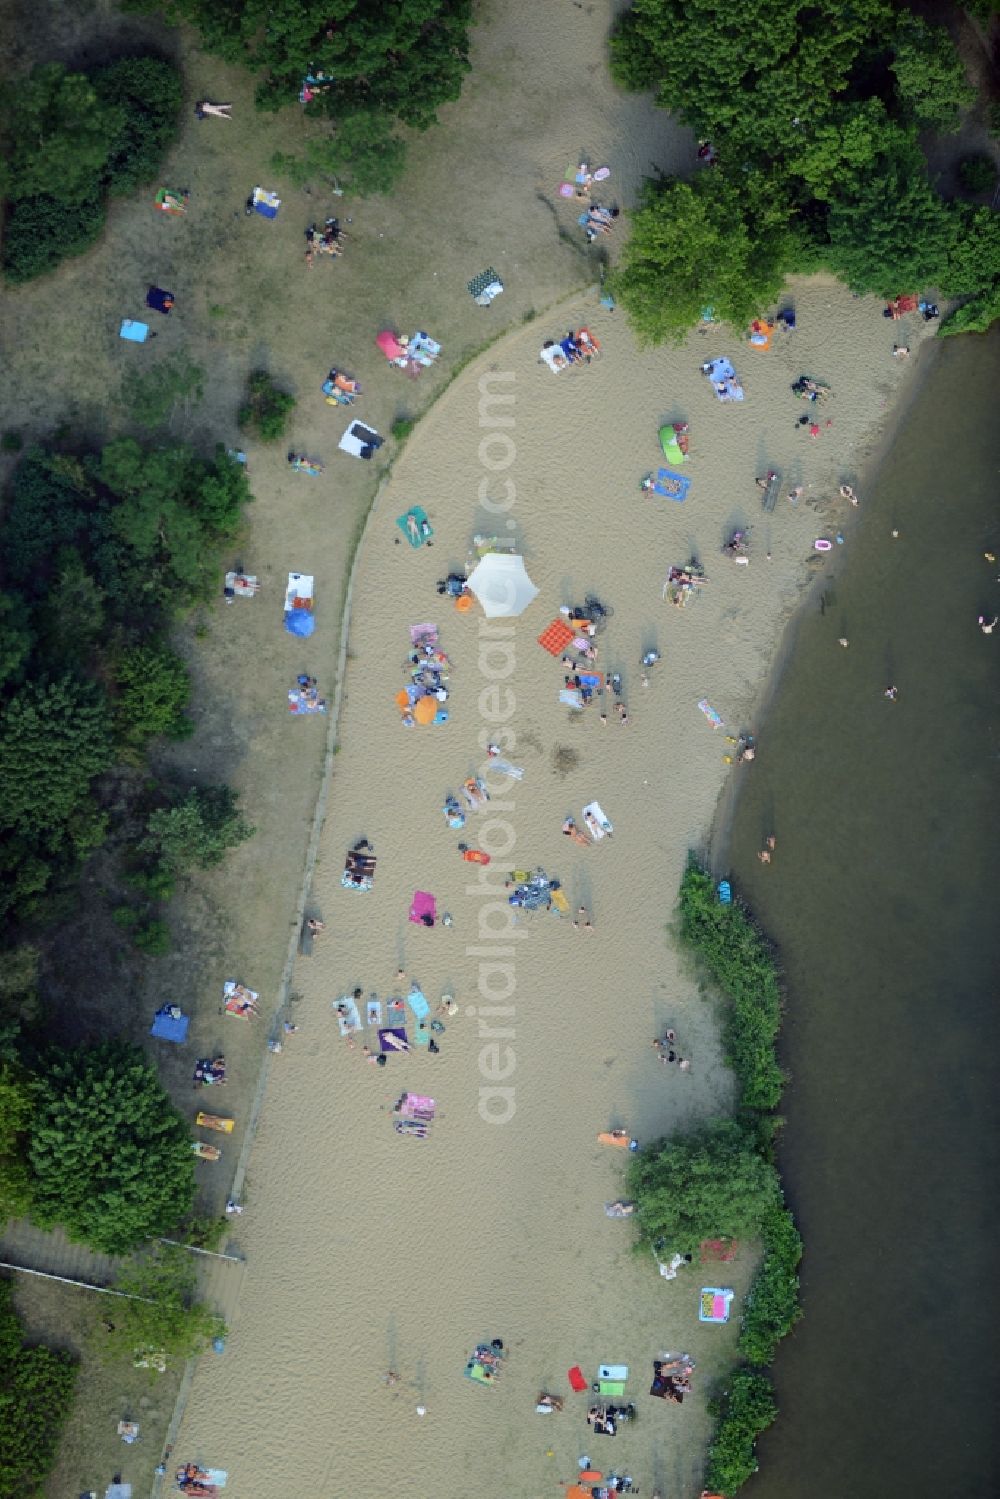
463	603
822	545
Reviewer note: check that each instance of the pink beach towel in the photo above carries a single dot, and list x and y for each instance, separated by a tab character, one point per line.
423	904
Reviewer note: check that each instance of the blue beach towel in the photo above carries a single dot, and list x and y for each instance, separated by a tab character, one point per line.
417	1003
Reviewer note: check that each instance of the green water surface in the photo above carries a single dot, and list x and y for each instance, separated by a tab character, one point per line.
882	898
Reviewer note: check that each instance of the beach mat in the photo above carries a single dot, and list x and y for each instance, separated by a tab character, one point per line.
555	637
373	1012
420	516
604	823
577	1379
672	486
611	1387
714	1303
417	1002
613	1371
392	1038
423	904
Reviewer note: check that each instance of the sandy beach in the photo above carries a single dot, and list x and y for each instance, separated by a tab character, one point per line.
370	1252
367	1252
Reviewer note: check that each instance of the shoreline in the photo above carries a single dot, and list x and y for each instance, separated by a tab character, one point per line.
416	448
716	847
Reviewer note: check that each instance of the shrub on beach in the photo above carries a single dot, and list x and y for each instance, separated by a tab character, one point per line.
162	1314
267	409
744	1409
772	1307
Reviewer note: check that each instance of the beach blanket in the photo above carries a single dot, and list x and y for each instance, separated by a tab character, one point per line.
484	287
373	1012
360	441
423	904
571	697
714	718
170	1025
423	531
421	1035
555	358
713	1304
423	634
724	381
392	1038
411	1127
416	1106
556	637
670	485
299	601
300	701
418	1004
770	494
577	1379
359	867
239	1000
350	1020
168	201
132	331
611	1387
266	203
597	821
613	1371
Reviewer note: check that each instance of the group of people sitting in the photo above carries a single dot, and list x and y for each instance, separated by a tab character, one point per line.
195	1481
326	241
210	1070
606	1419
359	866
810	390
598	220
672	1378
576	348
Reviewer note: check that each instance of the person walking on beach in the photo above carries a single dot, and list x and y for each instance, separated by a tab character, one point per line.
891	693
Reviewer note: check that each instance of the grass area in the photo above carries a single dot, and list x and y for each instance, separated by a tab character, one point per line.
108	1392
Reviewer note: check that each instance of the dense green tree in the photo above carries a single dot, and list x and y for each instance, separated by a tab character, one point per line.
16	637
41	231
974	259
691	247
37	1388
198	831
153	692
68	633
16	1114
772	1307
54	739
890	231
146	95
747	75
930	75
704	1185
163	1314
110	1156
59	132
402	57
51	508
172	505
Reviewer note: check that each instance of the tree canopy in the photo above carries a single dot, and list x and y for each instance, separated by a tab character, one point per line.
110	1156
71	139
814	114
704	1185
372	63
197	831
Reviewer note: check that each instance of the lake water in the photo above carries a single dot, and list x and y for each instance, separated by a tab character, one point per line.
882	897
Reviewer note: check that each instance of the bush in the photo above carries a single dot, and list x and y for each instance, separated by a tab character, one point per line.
11	442
745	1409
163	1314
711	1183
978	173
110	1156
54	740
402	427
196	832
740	961
153	939
772	1307
37	1391
267	408
154	690
41	231
147	95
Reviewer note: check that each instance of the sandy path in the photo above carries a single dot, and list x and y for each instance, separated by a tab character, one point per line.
367	1251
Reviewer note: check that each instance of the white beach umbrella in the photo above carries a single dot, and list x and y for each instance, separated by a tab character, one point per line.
501	585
